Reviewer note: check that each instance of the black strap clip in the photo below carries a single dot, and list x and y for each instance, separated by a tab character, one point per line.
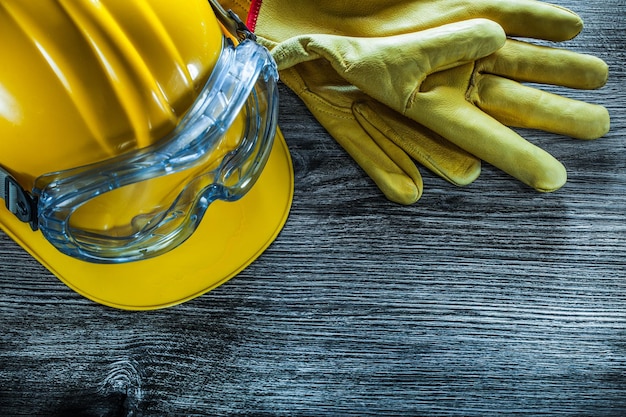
20	202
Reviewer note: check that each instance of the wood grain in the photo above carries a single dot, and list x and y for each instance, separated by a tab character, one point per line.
486	300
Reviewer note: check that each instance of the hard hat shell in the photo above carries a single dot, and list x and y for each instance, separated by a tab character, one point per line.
85	80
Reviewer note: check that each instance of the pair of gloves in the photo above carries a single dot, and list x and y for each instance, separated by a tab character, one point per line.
438	82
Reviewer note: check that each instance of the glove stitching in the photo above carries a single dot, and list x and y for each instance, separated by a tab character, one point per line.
410	101
472	85
418	89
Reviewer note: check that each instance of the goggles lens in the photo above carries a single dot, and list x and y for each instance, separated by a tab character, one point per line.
146	202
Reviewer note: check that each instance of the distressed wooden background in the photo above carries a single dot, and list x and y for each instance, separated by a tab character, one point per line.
478	301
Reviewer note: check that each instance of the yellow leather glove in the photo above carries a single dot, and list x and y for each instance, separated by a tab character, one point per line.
379	139
332	73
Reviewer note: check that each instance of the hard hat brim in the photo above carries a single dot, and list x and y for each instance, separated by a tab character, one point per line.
230	237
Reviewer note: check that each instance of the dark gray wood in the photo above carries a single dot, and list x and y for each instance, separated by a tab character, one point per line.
485	300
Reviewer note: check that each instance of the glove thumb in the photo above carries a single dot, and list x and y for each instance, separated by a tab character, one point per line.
396	64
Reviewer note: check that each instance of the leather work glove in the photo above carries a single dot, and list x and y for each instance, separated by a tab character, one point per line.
423	60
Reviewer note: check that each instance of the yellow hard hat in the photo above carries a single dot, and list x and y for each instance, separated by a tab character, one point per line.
140	160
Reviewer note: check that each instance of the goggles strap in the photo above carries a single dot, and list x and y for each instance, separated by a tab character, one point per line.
17	200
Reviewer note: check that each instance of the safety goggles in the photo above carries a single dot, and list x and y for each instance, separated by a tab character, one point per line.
152	199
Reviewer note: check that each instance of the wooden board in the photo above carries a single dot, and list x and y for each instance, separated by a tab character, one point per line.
491	299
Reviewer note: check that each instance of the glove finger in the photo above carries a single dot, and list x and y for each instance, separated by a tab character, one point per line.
529	18
471	129
514	104
414	54
540	64
429	149
385	163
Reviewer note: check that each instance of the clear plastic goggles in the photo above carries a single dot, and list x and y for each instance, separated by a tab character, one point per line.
150	200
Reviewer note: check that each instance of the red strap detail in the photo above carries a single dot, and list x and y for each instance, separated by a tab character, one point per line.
253	14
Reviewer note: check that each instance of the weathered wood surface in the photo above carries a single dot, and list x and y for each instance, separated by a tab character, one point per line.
485	300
